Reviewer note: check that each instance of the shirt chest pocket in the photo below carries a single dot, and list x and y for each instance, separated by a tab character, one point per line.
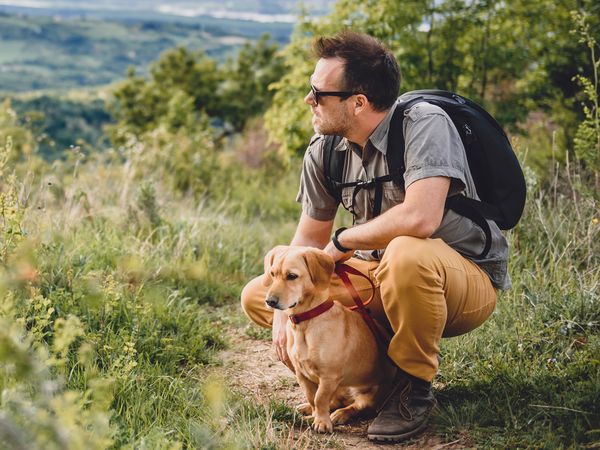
392	196
393	193
353	203
362	204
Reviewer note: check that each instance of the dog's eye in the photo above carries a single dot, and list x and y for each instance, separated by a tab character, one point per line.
291	276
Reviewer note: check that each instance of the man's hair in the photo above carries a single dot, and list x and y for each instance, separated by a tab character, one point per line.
369	67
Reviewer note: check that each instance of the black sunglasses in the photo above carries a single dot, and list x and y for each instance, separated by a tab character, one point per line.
343	94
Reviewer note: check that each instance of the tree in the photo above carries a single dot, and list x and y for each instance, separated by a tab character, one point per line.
514	56
191	72
136	106
245	92
587	137
231	93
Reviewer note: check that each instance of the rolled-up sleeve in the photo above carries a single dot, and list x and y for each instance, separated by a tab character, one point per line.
313	194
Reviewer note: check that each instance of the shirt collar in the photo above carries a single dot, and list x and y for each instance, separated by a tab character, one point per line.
379	136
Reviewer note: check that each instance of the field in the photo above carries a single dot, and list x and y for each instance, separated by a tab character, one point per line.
122	296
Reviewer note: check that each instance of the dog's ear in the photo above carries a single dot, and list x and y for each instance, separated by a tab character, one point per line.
320	267
269	259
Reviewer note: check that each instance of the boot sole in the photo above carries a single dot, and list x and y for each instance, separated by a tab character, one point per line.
391	438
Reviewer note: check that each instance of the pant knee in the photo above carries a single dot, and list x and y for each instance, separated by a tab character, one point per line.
407	259
246	299
252	302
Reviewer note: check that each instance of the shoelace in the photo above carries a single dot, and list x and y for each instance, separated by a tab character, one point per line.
402	401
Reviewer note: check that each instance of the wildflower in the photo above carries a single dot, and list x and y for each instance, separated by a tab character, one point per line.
26	272
595	221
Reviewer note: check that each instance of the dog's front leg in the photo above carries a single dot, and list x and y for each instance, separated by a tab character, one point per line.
309	388
325	391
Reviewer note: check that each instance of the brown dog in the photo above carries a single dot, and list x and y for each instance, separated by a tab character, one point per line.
336	358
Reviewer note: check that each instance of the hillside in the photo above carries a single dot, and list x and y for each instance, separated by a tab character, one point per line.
38	52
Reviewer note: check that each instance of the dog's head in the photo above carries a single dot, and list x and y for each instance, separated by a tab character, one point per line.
295	275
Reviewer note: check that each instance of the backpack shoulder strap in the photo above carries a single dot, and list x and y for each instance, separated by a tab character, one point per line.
333	161
395	149
394	158
396	144
333	165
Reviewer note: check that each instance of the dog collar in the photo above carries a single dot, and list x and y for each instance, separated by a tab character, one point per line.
311	313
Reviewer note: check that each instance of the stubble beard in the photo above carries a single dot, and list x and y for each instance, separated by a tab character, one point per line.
339	125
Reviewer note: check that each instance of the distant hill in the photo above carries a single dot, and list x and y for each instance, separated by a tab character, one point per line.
52	50
38	52
63	44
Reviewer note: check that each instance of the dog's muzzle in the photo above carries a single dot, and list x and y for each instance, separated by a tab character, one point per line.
273	302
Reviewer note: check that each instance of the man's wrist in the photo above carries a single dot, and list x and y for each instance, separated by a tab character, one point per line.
336	242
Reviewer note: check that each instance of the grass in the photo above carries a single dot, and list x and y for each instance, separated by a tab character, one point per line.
143	271
530	377
116	294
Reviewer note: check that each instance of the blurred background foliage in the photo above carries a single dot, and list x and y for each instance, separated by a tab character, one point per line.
517	58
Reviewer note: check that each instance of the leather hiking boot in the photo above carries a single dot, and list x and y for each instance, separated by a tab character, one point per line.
404	413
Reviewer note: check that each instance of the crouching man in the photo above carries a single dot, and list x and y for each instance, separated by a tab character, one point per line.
423	258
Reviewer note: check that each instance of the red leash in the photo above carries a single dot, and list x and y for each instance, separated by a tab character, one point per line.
342	270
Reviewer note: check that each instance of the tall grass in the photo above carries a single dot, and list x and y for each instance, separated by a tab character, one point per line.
530	376
110	289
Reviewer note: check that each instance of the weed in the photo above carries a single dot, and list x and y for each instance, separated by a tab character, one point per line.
587	138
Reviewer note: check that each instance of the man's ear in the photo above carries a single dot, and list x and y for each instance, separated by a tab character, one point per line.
361	103
268	263
320	267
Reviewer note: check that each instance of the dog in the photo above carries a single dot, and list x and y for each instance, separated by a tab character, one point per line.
337	361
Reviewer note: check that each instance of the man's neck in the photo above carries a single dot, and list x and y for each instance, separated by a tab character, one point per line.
363	128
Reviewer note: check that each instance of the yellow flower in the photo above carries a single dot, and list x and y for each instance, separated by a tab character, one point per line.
595	221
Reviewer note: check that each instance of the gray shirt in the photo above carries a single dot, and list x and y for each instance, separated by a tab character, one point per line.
432	148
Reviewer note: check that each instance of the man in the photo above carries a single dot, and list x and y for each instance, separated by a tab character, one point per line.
422	258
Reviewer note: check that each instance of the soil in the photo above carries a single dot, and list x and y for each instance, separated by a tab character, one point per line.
252	368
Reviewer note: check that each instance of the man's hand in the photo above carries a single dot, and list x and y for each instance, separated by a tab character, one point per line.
280	338
337	256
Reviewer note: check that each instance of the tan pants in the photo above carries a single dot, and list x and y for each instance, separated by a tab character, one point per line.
424	291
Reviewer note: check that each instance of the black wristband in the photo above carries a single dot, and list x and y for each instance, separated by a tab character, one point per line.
336	243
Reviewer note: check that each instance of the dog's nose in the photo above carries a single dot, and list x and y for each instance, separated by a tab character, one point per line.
272	301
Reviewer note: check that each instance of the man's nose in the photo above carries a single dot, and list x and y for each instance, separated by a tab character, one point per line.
310	99
272	301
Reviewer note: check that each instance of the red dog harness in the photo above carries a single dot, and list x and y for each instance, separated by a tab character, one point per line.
342	270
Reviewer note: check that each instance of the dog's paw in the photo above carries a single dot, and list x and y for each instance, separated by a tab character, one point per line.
305	409
323	425
341	416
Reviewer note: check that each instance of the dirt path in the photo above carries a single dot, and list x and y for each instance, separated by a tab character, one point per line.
251	367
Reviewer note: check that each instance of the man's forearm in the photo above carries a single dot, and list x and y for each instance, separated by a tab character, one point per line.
312	233
378	233
305	241
419	215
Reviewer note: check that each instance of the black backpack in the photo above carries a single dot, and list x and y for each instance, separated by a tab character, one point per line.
494	167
